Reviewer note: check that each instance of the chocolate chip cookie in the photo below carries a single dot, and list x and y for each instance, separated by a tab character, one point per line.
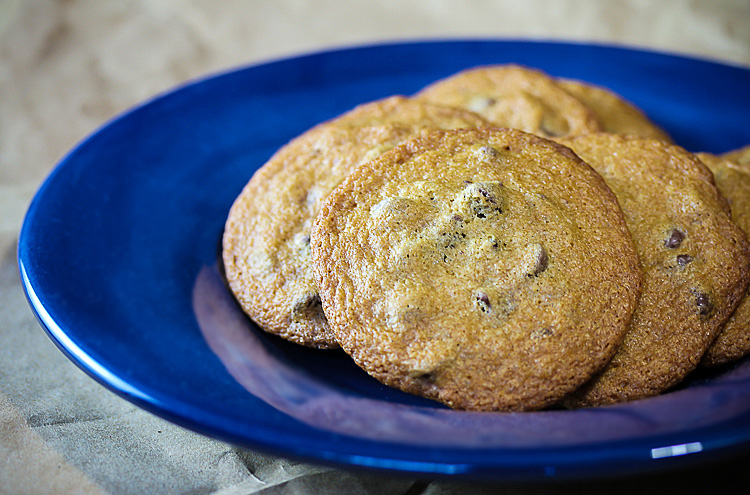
266	244
514	96
740	156
614	113
695	262
733	180
489	269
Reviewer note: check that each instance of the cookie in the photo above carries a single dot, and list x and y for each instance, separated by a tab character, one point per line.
400	110
740	156
488	269
614	113
266	250
695	261
733	180
514	96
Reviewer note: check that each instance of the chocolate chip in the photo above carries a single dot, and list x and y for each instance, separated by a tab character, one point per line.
481	208
427	376
479	103
675	239
488	153
553	127
542	261
549	132
534	259
541	333
481	200
483	301
487	195
703	302
684	259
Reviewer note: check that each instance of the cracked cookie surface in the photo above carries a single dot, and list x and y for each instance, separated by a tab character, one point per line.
517	97
488	269
694	259
266	243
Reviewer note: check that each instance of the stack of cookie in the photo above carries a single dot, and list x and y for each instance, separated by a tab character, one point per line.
501	241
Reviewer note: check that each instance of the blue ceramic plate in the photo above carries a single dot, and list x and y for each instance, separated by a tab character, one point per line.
118	256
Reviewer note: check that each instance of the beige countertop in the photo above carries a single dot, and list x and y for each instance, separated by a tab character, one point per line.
68	66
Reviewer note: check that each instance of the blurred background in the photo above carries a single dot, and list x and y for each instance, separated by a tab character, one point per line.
68	66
